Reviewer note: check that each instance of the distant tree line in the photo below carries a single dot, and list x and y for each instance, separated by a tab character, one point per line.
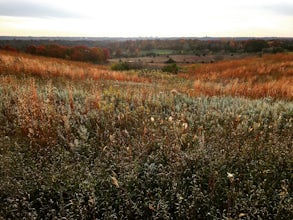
134	48
145	47
76	53
187	46
8	48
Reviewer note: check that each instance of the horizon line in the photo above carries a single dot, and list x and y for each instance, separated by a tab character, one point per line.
129	37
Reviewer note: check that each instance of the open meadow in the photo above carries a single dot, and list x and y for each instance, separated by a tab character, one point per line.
81	141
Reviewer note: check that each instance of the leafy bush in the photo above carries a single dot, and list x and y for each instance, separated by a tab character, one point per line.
170	60
122	66
171	68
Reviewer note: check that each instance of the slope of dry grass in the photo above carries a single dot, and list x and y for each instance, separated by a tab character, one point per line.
19	64
267	76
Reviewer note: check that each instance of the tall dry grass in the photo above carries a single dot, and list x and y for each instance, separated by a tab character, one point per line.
19	64
254	77
93	149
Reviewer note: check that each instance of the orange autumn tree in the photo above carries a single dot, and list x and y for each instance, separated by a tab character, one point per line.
76	53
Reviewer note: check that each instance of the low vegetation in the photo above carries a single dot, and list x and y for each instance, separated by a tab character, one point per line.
171	68
124	66
267	76
80	141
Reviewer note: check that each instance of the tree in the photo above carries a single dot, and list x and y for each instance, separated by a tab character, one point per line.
255	45
106	54
55	50
80	53
41	50
96	55
77	53
31	49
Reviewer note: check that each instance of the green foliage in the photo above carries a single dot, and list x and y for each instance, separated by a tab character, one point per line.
132	154
170	60
171	68
124	66
255	45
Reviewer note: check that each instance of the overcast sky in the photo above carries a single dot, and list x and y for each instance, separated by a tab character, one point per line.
147	18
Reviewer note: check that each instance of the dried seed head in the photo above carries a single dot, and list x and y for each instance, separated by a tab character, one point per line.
115	181
185	125
230	176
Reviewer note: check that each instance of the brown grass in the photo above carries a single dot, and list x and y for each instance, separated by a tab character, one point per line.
17	63
267	76
253	77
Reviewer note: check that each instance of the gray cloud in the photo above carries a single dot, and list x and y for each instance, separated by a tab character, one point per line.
282	8
16	8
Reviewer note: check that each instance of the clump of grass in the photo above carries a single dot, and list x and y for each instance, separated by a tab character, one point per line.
171	68
125	66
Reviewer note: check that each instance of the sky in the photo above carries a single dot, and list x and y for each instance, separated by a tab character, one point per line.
147	18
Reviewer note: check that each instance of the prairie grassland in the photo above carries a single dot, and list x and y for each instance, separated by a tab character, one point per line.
77	145
20	64
266	76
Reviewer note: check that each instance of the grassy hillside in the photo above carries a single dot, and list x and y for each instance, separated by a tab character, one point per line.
267	76
80	141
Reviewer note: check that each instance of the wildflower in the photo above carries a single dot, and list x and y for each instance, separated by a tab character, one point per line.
152	119
170	119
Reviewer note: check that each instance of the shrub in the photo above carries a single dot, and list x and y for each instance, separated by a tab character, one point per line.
170	60
124	66
171	68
